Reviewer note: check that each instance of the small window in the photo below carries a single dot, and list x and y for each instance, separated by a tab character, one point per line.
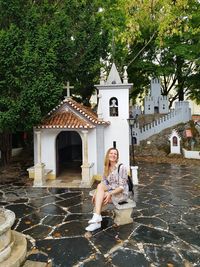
149	107
163	106
175	141
114	144
134	140
113	104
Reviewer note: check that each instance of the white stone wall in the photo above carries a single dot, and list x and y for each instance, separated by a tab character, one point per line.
163	105
155	102
149	105
181	114
191	154
155	88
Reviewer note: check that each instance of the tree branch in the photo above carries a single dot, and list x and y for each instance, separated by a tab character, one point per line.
141	50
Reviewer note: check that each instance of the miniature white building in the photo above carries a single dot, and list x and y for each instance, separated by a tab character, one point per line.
114	107
73	133
155	102
175	139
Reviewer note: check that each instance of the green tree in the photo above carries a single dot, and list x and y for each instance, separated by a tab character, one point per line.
162	40
28	81
43	44
81	42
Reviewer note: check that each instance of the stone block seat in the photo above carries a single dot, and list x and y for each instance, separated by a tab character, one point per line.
122	212
31	172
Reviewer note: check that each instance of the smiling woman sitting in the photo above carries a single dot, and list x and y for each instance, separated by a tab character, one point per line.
112	189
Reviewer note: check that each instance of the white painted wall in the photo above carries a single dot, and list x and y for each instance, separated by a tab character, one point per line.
175	149
92	149
122	94
100	138
118	130
155	99
191	154
181	114
155	91
48	152
48	147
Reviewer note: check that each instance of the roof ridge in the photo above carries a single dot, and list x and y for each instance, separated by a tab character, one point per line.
69	118
85	111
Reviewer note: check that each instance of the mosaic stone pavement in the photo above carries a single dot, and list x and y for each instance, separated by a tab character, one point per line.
165	231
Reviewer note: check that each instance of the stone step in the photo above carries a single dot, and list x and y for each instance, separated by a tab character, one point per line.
29	263
18	251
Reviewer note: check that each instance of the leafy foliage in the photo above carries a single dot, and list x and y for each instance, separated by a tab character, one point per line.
44	44
162	37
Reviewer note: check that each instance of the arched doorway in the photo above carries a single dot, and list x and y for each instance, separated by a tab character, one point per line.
68	155
156	110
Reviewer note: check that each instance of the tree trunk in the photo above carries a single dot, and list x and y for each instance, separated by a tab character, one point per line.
6	147
179	62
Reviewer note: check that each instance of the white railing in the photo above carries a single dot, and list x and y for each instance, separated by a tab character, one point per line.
181	114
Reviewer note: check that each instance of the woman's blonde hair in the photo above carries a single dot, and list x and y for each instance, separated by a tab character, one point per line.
107	162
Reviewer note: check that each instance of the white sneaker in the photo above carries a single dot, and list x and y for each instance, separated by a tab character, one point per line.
95	219
93	226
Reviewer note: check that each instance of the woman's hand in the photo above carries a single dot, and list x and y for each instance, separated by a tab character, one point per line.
107	198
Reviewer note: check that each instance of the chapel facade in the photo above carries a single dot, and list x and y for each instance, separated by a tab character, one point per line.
74	135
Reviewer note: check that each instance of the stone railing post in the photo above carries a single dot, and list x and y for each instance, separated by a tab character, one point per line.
86	179
39	167
134	174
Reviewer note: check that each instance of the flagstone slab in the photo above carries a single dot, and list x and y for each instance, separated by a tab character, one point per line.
164	232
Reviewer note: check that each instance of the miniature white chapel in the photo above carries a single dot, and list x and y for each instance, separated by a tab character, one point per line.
72	133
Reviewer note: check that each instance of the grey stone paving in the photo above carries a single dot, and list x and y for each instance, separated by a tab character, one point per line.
165	231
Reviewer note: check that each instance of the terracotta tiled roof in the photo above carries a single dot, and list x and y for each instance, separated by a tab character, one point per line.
71	115
85	111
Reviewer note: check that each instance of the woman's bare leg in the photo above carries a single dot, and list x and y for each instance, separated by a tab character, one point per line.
101	188
99	198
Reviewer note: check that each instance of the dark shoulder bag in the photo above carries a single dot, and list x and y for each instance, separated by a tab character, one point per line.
129	181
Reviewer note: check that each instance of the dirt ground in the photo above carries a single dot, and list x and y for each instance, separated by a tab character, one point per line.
171	159
17	167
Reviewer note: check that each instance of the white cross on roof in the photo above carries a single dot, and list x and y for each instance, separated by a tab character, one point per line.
68	87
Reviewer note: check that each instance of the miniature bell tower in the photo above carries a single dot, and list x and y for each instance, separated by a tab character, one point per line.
113	106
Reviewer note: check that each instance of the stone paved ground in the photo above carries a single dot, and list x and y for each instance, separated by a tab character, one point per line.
165	231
